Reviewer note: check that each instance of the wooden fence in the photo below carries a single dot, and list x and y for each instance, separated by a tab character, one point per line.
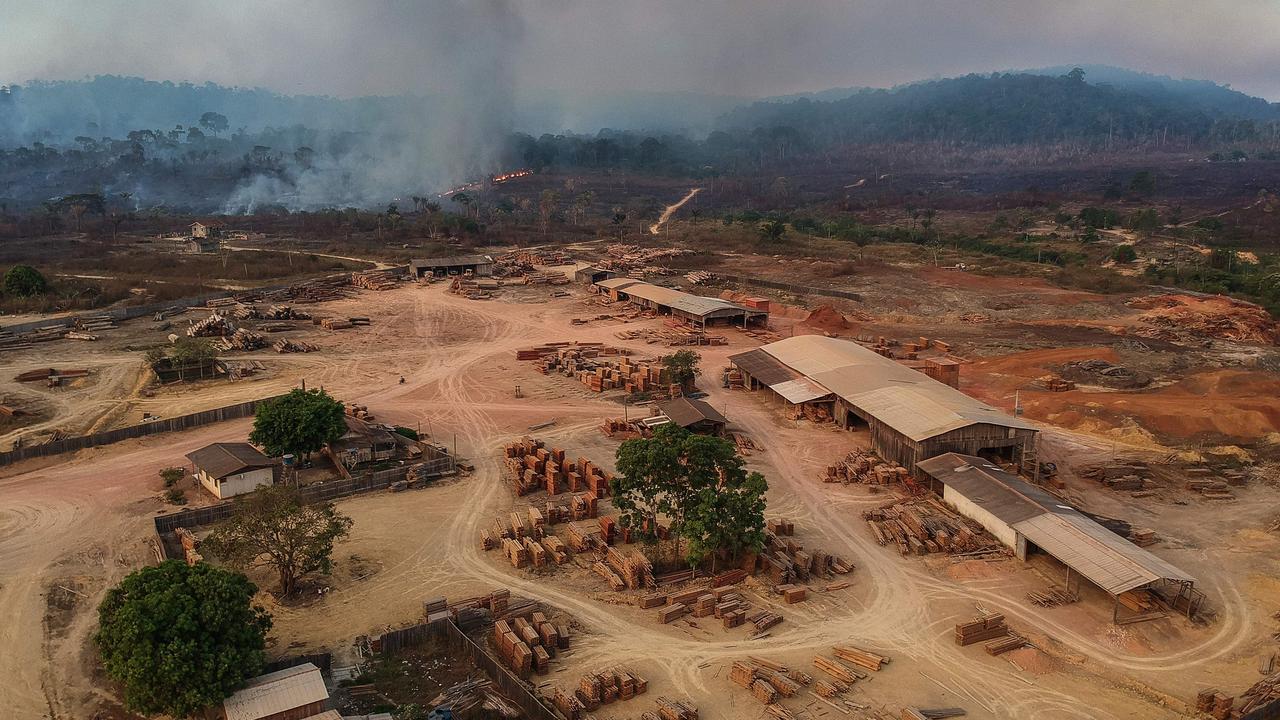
446	631
107	437
318	492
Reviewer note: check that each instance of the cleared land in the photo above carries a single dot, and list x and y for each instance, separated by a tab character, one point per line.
71	526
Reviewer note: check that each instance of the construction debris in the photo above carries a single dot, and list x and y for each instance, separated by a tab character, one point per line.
476	698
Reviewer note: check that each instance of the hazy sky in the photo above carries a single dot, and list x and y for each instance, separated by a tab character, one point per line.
733	47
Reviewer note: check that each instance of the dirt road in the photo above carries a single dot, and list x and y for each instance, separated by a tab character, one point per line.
68	531
655	228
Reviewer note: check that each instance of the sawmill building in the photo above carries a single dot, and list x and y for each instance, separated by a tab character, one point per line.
452	265
1028	519
909	415
696	309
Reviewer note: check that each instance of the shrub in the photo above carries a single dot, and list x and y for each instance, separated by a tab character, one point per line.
176	496
24	281
172	476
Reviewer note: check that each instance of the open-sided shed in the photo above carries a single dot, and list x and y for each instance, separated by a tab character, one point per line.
696	309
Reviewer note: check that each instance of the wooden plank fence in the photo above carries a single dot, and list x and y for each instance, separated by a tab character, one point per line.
318	492
154	427
445	630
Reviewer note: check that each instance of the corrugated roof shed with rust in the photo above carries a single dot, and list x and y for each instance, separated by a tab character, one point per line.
222	459
1103	557
910	402
676	299
686	412
277	692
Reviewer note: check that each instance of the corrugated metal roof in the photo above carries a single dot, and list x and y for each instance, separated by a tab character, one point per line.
452	260
788	383
1106	559
223	459
973	479
908	401
276	692
685	412
676	299
333	715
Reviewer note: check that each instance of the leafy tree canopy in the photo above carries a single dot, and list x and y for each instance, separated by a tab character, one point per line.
301	422
272	528
24	281
683	366
180	638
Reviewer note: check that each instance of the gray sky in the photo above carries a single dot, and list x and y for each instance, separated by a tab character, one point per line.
734	47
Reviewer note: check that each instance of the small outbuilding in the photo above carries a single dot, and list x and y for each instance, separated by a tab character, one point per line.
694	309
694	415
230	469
590	275
479	265
364	442
208	230
295	693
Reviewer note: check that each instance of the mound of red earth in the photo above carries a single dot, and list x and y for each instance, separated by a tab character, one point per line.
1220	317
827	319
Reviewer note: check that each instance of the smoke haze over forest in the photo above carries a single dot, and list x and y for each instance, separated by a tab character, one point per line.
397	97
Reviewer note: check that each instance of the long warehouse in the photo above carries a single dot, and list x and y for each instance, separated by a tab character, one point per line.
1028	519
910	416
699	310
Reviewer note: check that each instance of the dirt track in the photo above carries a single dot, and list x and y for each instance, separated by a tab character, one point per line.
82	524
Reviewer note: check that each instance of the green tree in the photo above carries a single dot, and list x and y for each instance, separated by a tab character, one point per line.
1124	254
180	638
772	231
683	367
214	122
301	422
24	281
271	527
1143	182
698	484
172	476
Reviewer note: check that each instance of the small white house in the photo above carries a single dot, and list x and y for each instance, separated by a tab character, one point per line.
230	469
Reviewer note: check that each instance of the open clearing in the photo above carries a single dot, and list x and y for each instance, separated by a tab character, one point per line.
71	526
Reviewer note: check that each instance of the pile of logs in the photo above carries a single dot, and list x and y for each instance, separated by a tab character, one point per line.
924	525
375	279
213	326
284	345
861	466
243	339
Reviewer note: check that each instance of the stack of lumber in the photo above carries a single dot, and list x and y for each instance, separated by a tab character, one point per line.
862	466
669	709
780	526
583	537
924	525
243	339
1260	694
605	687
792	594
1005	644
634	568
860	657
336	324
626	429
375	279
285	345
94	323
787	561
1216	704
1054	383
844	675
213	326
513	648
1139	601
1211	489
764	619
985	627
532	466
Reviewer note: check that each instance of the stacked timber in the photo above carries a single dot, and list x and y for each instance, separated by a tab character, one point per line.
985	627
669	709
243	339
375	279
862	466
922	526
844	674
213	326
285	345
860	657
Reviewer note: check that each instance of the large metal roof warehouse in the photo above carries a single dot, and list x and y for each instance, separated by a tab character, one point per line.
1027	519
910	416
694	308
